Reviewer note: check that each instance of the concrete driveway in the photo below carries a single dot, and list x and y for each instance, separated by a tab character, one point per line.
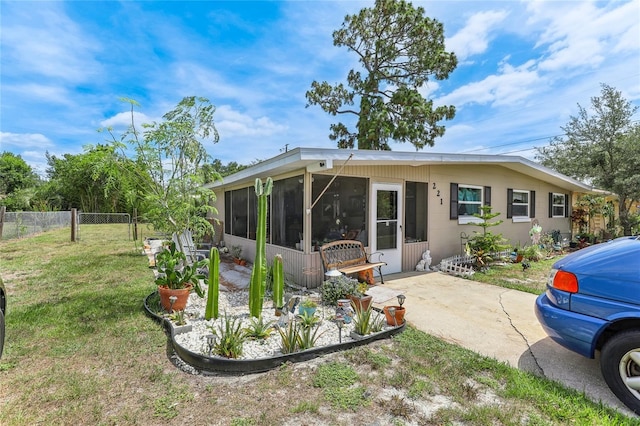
496	322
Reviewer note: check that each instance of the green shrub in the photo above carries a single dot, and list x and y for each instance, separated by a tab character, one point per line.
338	288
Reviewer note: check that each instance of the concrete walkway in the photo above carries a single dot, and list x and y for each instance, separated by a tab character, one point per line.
496	322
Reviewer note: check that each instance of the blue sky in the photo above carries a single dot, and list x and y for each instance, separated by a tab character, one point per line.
523	69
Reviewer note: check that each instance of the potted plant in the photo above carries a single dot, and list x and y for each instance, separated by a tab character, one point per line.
516	254
176	277
359	298
337	288
308	306
236	252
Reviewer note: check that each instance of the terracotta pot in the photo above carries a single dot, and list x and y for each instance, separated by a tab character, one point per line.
182	295
361	302
399	316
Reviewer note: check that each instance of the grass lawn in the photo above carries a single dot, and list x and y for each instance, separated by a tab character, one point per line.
80	350
532	279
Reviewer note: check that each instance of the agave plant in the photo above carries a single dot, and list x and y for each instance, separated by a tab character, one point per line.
259	328
231	337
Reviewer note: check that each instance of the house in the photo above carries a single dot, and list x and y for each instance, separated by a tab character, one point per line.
399	204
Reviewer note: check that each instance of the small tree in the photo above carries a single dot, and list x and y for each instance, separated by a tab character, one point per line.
483	245
171	155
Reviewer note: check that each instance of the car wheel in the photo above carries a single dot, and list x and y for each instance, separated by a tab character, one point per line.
620	365
1	332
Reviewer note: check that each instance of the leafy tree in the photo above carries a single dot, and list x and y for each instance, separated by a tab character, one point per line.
17	182
169	156
601	146
223	170
81	182
399	49
19	200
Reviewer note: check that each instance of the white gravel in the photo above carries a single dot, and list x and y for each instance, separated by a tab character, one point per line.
236	304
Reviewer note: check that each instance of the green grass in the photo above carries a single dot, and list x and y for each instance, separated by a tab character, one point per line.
80	350
512	275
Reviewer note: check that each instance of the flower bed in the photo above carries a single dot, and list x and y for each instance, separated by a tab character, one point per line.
190	343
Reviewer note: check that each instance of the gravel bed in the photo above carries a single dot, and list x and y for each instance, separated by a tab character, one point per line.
236	304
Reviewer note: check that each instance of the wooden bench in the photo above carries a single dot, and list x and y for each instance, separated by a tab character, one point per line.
348	257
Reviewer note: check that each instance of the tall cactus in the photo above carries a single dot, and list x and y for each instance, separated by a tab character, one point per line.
211	310
259	273
278	281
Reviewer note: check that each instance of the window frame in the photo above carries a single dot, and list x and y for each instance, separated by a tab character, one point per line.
554	205
521	218
464	219
336	199
419	192
246	209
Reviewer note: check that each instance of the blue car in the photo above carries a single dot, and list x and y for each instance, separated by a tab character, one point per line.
592	303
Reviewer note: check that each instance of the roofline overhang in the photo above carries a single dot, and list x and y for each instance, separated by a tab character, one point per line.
324	159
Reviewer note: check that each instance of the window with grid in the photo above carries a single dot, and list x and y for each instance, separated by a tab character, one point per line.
469	200
520	203
558	206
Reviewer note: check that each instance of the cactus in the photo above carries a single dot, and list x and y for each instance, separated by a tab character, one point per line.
211	310
278	281
259	273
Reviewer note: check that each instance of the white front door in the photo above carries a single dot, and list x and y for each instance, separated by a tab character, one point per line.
386	229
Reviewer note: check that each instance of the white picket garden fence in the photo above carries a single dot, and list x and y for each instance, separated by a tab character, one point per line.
461	265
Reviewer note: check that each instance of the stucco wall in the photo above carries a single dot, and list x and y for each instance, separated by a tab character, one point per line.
444	234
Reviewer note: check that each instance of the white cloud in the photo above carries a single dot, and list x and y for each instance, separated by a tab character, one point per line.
512	85
189	78
565	55
474	38
579	34
25	141
122	120
43	93
233	124
42	40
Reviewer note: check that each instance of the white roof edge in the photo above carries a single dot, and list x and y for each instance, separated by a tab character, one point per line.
301	156
259	169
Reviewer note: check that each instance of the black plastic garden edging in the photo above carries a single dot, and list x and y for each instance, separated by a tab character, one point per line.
244	366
